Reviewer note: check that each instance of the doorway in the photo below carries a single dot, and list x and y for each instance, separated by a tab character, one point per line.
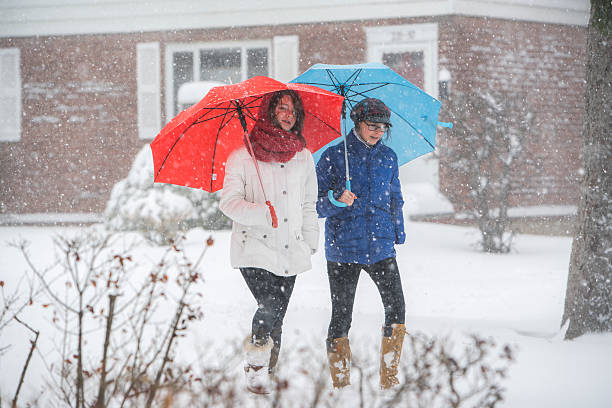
411	51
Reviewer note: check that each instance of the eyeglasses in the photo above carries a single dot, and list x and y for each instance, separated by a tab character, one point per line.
375	127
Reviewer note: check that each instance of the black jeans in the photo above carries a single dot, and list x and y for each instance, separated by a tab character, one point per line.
272	294
343	278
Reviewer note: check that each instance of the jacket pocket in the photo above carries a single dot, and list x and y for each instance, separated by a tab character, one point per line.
302	243
385	206
257	240
383	226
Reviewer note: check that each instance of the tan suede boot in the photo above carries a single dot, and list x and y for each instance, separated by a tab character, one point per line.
390	353
339	357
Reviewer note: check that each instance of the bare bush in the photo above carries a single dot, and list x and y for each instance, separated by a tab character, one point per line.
440	374
488	153
130	316
436	373
120	320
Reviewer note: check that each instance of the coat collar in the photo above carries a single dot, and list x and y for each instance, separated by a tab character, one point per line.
358	146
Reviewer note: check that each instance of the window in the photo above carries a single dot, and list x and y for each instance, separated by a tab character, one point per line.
444	84
257	62
10	95
408	64
225	62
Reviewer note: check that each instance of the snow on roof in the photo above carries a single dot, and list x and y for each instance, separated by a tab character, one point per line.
20	18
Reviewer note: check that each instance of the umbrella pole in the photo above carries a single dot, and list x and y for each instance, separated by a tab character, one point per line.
270	206
330	193
346	163
248	139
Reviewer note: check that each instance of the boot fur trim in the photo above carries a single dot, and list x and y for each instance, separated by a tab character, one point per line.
257	355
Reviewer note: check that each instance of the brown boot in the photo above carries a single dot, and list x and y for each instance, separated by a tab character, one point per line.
339	357
390	353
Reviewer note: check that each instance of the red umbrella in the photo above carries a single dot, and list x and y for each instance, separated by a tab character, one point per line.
191	150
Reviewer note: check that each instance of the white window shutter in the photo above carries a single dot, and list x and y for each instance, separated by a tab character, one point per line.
148	79
286	54
10	95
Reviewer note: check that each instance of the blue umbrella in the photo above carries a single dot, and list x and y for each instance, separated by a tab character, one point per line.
414	113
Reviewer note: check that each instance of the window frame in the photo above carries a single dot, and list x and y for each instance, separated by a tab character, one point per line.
195	49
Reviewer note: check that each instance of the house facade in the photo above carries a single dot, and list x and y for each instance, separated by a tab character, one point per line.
84	85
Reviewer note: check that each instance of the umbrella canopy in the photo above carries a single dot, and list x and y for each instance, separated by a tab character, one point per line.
414	113
191	150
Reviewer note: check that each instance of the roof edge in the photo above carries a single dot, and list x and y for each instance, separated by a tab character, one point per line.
97	18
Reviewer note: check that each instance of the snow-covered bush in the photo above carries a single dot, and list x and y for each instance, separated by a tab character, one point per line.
159	211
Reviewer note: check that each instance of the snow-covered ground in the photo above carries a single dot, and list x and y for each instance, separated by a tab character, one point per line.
450	289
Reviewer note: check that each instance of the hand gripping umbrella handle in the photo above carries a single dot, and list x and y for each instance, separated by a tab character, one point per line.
330	195
273	215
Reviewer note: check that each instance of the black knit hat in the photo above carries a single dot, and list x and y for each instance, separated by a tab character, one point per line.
372	110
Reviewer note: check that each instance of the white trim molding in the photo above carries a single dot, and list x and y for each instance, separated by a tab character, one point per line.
567	12
10	95
286	57
21	18
148	78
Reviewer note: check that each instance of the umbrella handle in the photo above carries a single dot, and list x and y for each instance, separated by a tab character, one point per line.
273	215
330	195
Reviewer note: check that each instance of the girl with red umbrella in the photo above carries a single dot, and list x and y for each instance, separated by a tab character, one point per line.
271	252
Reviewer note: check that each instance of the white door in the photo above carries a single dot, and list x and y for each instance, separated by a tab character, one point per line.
412	52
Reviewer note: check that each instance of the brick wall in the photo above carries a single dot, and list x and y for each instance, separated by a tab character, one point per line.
546	63
79	130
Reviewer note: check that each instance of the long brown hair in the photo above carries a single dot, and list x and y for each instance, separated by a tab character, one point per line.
297	105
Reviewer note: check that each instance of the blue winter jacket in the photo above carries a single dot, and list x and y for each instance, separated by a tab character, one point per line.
367	231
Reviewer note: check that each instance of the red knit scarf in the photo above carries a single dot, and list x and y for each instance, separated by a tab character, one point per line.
270	142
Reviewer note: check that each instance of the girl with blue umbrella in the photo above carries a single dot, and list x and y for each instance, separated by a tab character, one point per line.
363	224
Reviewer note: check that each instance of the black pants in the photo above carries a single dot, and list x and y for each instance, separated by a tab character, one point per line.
272	294
343	278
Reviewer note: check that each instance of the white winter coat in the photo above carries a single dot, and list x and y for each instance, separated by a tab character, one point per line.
292	189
